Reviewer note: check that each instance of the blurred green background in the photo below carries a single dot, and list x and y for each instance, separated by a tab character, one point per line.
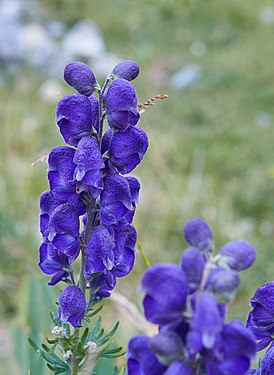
211	146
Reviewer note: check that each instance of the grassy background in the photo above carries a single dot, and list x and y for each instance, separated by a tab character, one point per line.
211	145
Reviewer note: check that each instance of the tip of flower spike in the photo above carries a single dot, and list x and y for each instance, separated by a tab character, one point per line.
79	76
126	69
198	234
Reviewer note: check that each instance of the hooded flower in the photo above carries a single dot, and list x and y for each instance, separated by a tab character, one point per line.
261	318
79	76
166	288
47	205
72	306
64	230
126	149
89	164
99	249
53	262
121	105
116	200
75	117
233	353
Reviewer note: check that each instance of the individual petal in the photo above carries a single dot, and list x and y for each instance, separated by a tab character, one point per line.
89	164
99	251
238	341
101	286
264	296
115	200
166	289
141	361
126	69
75	117
64	220
206	324
60	172
238	255
134	186
48	202
52	262
127	149
79	76
198	234
223	283
121	105
193	263
64	229
94	102
72	306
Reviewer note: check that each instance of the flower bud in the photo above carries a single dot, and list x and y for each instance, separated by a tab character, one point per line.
79	76
193	263
72	306
238	255
223	283
126	69
198	234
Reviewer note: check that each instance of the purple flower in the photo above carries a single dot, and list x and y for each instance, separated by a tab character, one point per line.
53	262
165	287
238	255
121	105
102	285
76	117
89	164
142	361
64	230
261	318
193	263
60	172
127	149
47	204
72	306
99	249
79	76
126	69
116	200
198	234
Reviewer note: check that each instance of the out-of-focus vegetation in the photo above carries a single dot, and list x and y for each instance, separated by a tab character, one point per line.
211	144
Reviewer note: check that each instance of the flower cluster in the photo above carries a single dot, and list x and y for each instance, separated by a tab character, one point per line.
188	303
91	202
261	322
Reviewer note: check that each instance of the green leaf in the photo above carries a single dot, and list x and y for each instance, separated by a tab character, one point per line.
92	313
34	345
84	336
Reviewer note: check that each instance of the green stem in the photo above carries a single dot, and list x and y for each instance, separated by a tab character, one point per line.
74	357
